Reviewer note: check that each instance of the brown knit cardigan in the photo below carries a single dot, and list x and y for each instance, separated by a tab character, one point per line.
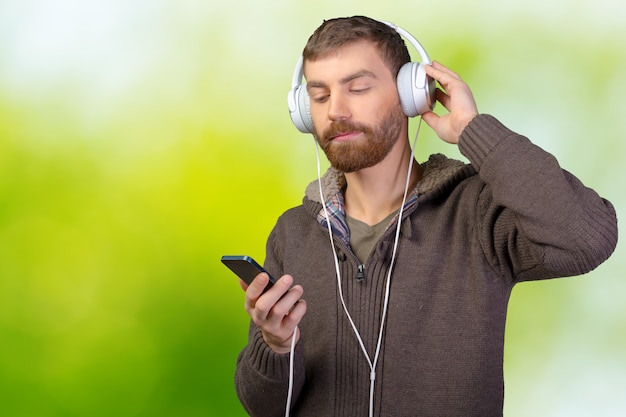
478	229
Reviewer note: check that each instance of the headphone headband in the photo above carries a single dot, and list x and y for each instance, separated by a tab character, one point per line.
412	40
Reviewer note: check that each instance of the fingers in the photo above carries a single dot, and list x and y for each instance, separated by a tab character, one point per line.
450	81
257	286
277	302
255	290
456	97
441	73
277	311
295	315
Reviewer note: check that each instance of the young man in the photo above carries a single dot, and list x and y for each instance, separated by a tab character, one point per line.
469	233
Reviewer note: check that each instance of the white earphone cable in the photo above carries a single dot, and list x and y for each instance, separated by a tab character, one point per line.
291	354
372	363
391	265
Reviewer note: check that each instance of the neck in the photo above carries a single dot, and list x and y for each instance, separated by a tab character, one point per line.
374	193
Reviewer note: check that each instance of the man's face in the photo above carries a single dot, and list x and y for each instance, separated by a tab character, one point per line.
355	107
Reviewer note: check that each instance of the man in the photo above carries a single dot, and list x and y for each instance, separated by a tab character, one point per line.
468	234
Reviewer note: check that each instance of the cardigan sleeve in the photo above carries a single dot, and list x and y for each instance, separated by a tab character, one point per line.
535	219
262	375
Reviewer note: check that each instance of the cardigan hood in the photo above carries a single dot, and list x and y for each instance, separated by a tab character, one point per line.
440	173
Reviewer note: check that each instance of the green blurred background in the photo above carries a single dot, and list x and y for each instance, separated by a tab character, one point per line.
141	140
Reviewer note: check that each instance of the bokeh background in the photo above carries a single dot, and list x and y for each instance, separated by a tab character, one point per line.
141	140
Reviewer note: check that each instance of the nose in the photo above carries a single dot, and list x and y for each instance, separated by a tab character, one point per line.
338	108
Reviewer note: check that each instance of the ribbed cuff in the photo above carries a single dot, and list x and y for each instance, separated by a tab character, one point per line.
269	363
481	136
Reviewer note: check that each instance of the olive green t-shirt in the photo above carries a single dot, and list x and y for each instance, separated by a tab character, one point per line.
363	237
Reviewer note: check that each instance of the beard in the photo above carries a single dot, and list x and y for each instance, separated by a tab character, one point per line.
365	152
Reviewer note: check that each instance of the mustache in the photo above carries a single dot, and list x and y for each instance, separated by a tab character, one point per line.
343	126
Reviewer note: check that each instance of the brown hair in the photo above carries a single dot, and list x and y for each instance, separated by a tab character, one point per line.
336	33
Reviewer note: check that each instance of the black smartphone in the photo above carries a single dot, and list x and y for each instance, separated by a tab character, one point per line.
246	268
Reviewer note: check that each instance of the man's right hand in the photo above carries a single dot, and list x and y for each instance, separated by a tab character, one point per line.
276	312
457	98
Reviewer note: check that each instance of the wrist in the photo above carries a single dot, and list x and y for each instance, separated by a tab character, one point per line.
280	346
480	137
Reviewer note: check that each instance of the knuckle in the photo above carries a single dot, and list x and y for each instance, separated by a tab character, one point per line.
262	310
280	310
259	308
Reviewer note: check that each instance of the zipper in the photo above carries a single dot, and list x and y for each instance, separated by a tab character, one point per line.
360	269
360	273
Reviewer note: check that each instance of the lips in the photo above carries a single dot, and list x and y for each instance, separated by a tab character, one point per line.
343	131
344	136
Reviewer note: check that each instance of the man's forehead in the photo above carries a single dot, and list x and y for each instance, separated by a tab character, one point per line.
362	56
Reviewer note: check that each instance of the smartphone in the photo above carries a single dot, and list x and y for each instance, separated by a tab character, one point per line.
246	268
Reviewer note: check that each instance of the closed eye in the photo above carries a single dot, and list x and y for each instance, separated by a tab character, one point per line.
319	99
359	90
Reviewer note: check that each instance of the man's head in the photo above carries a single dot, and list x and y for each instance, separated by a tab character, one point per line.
351	66
336	33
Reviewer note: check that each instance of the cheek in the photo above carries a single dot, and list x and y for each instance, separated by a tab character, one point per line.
384	106
319	121
314	110
391	104
318	130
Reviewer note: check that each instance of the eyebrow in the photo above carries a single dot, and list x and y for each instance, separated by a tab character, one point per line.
345	80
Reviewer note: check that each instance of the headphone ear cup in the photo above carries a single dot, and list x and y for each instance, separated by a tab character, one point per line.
300	109
416	89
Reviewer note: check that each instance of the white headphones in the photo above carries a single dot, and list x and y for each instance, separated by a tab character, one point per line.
415	88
